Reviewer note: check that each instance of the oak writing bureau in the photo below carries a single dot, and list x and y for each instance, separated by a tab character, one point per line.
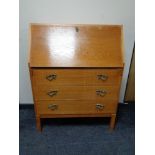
75	70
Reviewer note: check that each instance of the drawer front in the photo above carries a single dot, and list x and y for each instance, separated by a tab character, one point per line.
77	76
76	92
76	107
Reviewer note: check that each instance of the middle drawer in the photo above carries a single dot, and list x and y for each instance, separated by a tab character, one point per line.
75	92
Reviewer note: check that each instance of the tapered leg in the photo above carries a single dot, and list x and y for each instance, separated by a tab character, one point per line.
38	123
112	121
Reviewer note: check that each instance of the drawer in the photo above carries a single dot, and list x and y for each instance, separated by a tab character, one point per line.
76	76
76	92
76	107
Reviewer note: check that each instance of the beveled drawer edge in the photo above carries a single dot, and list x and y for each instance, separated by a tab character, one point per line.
33	67
94	100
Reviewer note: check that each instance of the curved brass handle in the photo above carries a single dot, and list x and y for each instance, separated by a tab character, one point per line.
102	77
52	93
52	106
99	106
101	92
51	77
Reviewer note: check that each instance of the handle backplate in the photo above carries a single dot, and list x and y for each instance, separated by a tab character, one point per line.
101	92
99	106
52	106
102	77
52	93
51	77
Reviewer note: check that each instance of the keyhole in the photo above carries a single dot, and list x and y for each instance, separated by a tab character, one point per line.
77	29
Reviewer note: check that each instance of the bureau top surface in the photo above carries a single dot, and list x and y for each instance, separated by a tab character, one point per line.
76	46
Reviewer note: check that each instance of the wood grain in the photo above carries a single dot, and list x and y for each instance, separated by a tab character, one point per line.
112	121
76	107
76	55
76	46
76	92
75	115
77	76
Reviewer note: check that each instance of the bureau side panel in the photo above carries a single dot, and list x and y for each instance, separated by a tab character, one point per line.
32	87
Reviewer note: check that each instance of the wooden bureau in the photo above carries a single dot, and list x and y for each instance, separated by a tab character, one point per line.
76	70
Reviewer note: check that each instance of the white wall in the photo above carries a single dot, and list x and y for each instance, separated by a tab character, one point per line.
73	11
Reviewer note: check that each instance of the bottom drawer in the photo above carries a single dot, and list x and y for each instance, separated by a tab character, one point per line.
76	107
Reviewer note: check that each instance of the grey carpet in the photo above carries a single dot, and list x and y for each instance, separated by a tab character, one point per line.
78	136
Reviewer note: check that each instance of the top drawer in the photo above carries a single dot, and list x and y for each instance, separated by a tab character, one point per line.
77	76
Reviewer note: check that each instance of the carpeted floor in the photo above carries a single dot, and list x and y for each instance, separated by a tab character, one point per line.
84	136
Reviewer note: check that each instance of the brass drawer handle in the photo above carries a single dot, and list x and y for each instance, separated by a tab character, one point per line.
52	106
102	77
52	93
51	77
101	92
99	106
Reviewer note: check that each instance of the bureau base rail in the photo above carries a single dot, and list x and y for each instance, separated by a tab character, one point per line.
39	124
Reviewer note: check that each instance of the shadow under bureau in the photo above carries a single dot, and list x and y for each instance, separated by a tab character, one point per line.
76	70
